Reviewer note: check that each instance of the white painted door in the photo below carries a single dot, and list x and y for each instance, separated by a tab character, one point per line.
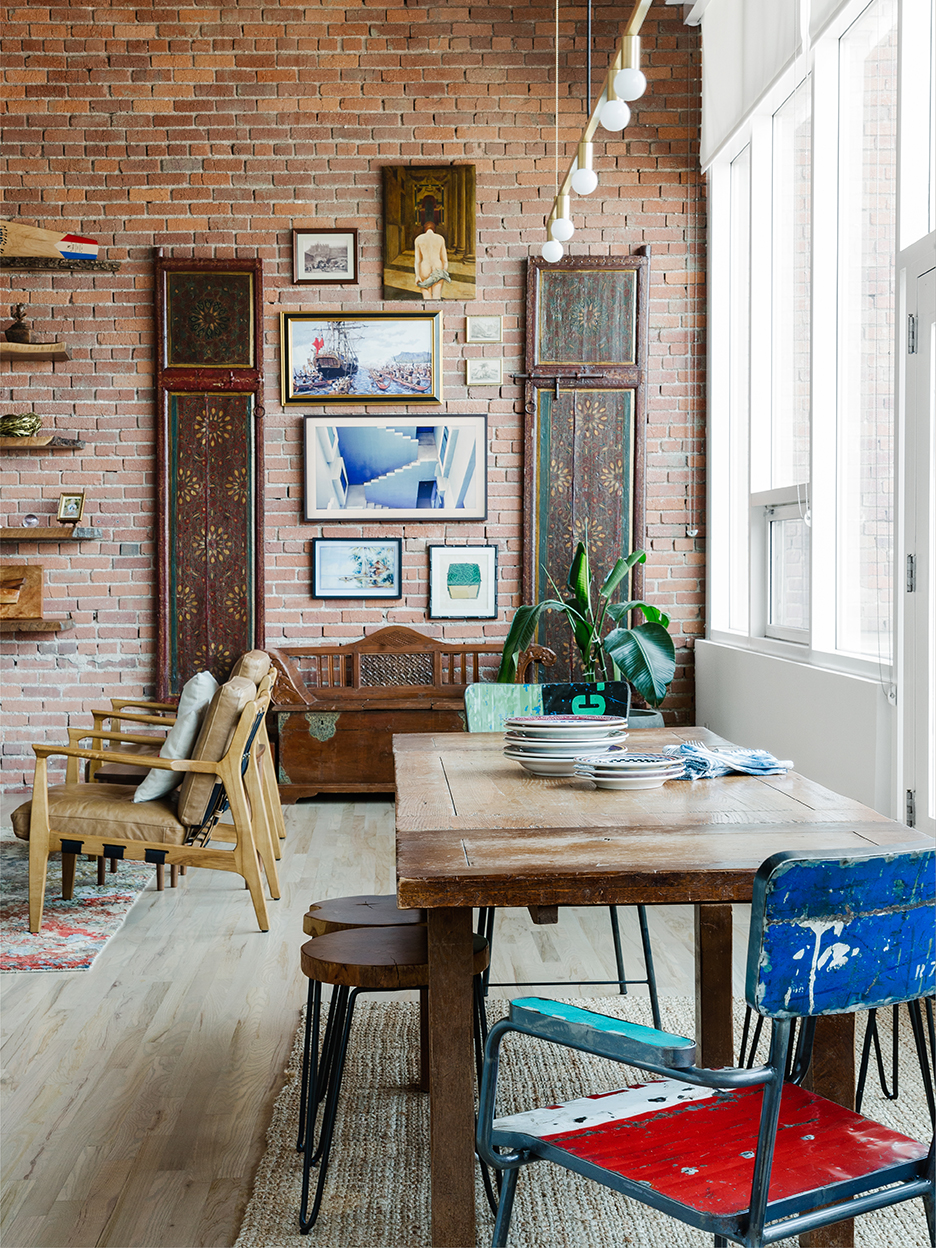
919	667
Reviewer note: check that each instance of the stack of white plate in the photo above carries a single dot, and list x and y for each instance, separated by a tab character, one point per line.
548	745
629	770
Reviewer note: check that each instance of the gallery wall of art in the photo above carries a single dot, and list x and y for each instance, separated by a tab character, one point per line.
227	133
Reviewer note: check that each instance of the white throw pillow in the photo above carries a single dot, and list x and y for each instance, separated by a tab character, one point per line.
193	702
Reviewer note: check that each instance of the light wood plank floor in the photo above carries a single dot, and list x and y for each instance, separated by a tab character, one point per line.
136	1095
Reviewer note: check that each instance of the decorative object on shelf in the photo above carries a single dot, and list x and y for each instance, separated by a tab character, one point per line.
462	582
21	587
209	418
21	425
624	81
71	508
483	329
386	469
644	655
366	357
19	331
484	372
429	232
325	257
352	567
28	240
30	520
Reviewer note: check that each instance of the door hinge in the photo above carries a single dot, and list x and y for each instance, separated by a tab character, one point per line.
911	334
911	574
910	813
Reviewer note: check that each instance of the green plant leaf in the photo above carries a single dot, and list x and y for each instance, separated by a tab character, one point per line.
620	570
521	633
653	615
579	581
646	657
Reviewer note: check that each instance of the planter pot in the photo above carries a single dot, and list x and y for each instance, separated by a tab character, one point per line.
644	718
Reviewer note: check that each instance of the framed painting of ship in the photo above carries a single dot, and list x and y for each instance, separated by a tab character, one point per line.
387	469
361	357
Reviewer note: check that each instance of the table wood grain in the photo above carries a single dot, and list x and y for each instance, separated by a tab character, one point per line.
474	829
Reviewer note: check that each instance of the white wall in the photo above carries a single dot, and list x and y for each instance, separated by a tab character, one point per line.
837	729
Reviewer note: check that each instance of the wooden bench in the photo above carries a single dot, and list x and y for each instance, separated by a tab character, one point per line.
337	707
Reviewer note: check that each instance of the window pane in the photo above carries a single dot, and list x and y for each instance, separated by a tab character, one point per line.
739	388
789	573
792	225
867	243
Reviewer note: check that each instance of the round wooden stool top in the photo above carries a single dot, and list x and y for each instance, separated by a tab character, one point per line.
341	913
376	957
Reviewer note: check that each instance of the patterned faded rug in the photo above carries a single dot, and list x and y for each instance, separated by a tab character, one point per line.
377	1192
73	932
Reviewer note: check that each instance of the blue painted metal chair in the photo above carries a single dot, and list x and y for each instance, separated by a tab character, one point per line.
486	707
747	1155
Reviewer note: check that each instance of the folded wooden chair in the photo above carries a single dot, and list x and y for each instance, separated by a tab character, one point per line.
103	820
748	1155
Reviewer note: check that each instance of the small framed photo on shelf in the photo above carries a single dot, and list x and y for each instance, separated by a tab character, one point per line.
483	329
462	582
325	257
354	567
484	372
70	508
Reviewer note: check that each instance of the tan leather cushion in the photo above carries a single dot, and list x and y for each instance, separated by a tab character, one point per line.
254	665
81	810
212	744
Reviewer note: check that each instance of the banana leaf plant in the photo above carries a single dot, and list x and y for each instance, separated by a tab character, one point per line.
642	655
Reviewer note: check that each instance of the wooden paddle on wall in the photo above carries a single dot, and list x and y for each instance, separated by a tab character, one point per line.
29	240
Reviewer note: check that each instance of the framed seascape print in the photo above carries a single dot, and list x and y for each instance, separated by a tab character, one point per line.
325	257
462	582
367	357
483	372
429	232
387	469
483	329
352	567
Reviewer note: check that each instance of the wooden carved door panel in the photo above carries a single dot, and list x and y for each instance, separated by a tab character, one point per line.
586	351
210	466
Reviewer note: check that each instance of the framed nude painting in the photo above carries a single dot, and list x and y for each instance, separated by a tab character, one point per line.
429	232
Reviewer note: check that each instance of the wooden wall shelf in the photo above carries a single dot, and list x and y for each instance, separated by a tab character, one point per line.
36	626
34	351
44	442
53	533
27	264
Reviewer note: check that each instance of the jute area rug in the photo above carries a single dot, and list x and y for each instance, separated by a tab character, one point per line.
377	1193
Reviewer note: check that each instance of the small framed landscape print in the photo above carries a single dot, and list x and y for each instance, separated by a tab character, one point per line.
325	257
362	357
353	567
71	508
483	329
484	372
462	582
384	469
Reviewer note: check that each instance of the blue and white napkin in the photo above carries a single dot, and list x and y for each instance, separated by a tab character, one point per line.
701	763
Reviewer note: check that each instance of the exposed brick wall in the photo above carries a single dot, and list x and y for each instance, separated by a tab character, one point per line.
212	131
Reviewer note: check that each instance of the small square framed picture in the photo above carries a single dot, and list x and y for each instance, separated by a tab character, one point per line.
325	257
353	567
483	329
462	582
70	508
484	372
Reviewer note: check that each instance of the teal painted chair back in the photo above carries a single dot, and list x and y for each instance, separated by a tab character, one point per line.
487	705
837	934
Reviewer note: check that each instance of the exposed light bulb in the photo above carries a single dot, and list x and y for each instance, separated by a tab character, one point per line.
552	251
562	229
584	181
629	84
614	114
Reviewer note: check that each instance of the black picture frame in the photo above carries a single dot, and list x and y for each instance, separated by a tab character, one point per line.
324	257
357	567
463	581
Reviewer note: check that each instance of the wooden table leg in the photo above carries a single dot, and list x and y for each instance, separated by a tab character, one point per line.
451	1078
832	1075
714	1022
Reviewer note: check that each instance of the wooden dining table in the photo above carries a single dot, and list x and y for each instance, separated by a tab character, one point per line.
475	829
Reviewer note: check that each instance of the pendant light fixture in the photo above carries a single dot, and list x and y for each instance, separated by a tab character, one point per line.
560	227
585	180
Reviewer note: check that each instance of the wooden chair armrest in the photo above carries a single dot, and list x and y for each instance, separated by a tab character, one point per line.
114	756
135	738
118	704
161	721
